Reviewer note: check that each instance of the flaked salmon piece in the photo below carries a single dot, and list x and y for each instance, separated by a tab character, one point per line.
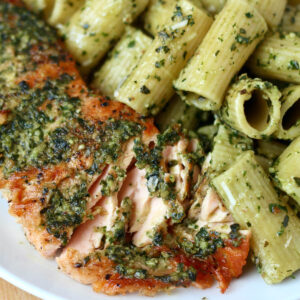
135	187
123	163
88	174
210	212
207	207
154	222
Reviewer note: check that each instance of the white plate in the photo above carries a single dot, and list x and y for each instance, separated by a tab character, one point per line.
21	265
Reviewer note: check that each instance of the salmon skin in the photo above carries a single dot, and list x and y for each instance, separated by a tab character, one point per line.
87	174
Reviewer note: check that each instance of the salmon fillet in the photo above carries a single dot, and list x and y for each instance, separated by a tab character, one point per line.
129	207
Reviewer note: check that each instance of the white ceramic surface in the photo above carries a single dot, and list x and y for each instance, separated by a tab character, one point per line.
21	265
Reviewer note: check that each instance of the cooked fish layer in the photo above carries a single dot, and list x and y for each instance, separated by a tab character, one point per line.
129	205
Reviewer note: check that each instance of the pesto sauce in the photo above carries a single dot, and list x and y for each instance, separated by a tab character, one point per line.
63	212
150	159
118	232
25	139
203	245
33	30
112	136
127	257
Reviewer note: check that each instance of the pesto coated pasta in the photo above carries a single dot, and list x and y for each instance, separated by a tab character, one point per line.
38	5
278	57
149	87
177	111
286	170
252	106
123	58
62	10
289	125
227	146
291	19
230	41
158	14
94	28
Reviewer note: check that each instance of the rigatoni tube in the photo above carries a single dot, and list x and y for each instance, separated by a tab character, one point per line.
253	202
267	151
38	6
62	10
291	19
289	125
272	10
158	14
252	106
177	111
213	6
226	47
93	29
228	145
286	170
121	61
149	86
278	57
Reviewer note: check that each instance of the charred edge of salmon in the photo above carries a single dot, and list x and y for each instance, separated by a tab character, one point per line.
225	264
101	275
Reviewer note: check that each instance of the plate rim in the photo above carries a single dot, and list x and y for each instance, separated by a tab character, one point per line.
27	286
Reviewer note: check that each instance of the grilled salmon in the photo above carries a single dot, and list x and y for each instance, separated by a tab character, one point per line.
122	207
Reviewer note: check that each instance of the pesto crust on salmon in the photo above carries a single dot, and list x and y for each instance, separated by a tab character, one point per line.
121	206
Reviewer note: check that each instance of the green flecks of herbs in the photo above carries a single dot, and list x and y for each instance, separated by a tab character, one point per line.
62	212
36	145
203	245
293	65
110	184
284	224
118	232
112	136
127	257
151	158
34	31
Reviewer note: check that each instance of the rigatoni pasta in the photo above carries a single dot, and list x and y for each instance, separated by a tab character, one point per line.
289	125
291	19
38	5
248	193
252	106
230	41
62	10
158	14
149	87
121	61
206	134
272	10
177	111
94	28
286	171
267	151
213	6
278	57
227	146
